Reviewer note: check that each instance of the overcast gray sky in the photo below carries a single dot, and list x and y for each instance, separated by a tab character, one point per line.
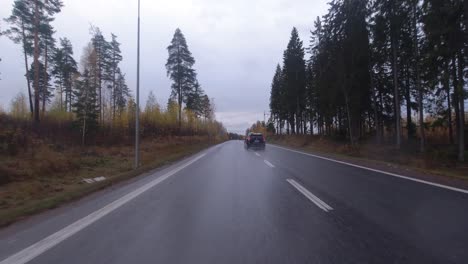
236	45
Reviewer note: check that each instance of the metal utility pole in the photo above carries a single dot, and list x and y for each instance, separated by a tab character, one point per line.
137	110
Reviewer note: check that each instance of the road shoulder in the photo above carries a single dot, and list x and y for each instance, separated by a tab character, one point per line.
416	173
81	191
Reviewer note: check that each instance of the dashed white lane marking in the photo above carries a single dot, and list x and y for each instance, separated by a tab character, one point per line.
47	243
321	204
379	171
257	154
268	163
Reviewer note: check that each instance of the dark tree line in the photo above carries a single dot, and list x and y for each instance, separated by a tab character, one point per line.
377	68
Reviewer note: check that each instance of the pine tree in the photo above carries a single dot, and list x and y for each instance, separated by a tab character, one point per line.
194	99
64	67
180	69
21	32
42	12
446	32
393	18
356	66
101	47
415	11
85	106
364	57
121	92
115	57
314	76
381	71
275	96
294	80
45	89
338	80
47	43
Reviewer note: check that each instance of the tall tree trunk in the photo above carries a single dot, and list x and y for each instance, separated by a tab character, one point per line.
26	64
422	136
84	117
36	61
277	125
422	132
409	121
456	97
61	94
320	124
180	108
298	123
461	71
298	115
350	123
449	103
84	130
292	123
376	111
304	123
381	122
340	120
280	126
113	90
101	110
69	94
461	141
311	122
180	88
396	92
44	93
112	97
394	43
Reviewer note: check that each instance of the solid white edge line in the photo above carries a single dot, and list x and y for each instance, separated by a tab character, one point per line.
321	204
269	163
379	171
47	243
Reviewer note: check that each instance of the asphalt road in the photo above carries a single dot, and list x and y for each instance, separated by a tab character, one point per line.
231	205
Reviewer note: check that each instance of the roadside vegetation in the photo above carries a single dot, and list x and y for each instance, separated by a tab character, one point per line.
77	118
386	76
44	165
439	160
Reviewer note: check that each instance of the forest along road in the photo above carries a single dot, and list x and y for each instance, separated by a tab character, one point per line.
232	205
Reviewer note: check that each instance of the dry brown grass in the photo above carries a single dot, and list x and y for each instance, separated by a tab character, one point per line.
438	159
48	176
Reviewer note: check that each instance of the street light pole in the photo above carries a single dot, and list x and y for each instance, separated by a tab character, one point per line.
137	110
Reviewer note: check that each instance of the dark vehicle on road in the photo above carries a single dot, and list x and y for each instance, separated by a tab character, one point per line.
255	140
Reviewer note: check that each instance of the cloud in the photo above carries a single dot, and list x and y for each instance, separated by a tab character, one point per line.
238	122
